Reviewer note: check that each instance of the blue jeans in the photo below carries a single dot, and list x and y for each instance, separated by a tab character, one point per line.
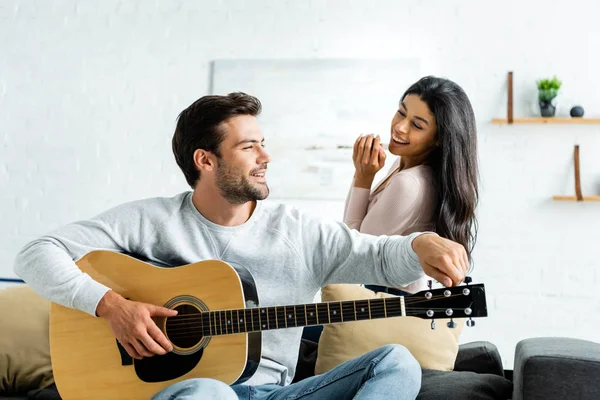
387	372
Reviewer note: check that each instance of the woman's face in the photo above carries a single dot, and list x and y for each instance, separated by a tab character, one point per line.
413	130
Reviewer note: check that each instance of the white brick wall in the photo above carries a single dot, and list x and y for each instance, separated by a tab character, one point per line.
89	92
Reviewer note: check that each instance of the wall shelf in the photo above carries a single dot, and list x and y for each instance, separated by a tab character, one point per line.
551	120
574	198
578	196
509	120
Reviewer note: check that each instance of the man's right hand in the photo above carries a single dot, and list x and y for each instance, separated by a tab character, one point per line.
131	323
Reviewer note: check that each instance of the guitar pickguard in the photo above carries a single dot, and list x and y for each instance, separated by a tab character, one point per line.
167	367
126	359
161	368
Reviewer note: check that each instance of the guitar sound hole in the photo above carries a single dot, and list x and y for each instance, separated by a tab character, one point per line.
185	329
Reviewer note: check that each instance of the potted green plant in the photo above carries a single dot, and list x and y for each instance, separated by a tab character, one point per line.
547	92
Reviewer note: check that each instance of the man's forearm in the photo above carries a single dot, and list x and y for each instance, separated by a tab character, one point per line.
401	262
51	272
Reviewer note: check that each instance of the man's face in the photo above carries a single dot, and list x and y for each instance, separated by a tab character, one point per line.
241	169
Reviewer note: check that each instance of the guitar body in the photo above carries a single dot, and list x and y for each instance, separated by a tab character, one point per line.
89	364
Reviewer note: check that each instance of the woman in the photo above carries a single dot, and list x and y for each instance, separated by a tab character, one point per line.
432	185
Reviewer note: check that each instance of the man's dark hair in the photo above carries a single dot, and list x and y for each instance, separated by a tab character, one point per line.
199	127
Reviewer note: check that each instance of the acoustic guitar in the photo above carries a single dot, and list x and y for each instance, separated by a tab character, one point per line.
217	331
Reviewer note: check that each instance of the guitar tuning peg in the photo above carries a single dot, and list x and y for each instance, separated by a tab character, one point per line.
432	324
451	324
468	280
470	323
429	283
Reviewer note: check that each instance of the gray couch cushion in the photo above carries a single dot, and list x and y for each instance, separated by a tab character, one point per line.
481	357
463	385
556	368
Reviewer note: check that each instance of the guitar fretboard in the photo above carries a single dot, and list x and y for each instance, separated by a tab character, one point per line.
225	322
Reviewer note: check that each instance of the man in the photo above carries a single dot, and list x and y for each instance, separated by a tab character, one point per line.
220	149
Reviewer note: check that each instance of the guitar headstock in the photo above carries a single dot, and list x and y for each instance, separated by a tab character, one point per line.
466	301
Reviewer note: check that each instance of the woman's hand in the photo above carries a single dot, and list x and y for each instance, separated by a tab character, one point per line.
369	158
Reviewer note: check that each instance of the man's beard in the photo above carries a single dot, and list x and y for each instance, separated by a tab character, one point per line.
237	188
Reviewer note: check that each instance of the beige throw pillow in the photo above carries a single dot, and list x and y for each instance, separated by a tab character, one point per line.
24	342
433	349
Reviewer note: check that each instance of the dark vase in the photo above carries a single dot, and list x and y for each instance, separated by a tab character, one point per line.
547	109
577	111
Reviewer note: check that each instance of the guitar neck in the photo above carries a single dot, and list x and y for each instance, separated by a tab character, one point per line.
224	322
456	302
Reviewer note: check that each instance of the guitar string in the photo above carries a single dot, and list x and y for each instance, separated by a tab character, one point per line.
379	311
218	332
186	318
374	302
376	313
221	328
234	325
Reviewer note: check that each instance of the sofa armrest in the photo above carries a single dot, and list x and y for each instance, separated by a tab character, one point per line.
556	368
481	357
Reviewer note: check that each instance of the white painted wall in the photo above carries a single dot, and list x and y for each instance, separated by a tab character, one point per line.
89	92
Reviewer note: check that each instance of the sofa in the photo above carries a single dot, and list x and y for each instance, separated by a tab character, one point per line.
556	368
487	382
26	373
478	375
544	368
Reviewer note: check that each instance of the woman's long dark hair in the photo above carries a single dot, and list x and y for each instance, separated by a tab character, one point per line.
454	160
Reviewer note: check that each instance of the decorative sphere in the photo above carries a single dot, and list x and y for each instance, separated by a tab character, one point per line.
577	111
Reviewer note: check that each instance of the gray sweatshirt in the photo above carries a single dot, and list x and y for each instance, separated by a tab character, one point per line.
289	253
